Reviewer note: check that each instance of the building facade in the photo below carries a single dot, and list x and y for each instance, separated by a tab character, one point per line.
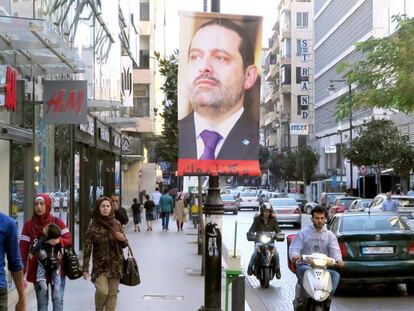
338	26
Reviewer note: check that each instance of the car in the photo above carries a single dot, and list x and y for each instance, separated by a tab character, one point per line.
330	199
359	205
287	211
341	205
300	198
377	248
405	203
248	199
231	204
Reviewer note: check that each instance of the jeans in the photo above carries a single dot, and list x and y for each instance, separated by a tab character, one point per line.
165	219
42	297
302	268
3	299
156	212
256	253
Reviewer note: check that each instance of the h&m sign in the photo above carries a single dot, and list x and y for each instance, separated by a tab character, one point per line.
65	101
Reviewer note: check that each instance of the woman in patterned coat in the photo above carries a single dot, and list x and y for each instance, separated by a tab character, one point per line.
104	240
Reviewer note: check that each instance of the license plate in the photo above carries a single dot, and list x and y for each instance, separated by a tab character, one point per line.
378	250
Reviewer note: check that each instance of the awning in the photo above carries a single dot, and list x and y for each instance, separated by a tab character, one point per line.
103	105
34	48
121	122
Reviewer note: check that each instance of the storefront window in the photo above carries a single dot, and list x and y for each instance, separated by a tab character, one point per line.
17	184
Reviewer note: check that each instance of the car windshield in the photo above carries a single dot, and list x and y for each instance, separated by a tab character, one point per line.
248	194
372	223
296	196
346	202
283	202
227	197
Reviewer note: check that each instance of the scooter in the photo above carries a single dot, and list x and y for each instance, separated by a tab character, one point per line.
264	268
316	292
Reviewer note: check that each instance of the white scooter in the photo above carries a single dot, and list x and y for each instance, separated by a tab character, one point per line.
316	292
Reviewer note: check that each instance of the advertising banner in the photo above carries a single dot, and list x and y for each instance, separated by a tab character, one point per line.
65	101
219	94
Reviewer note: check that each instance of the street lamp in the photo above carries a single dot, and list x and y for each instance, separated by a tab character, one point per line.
331	90
341	164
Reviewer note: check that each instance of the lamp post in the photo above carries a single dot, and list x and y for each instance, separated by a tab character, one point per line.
331	90
341	164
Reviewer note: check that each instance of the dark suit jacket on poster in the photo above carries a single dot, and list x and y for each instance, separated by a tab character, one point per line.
234	147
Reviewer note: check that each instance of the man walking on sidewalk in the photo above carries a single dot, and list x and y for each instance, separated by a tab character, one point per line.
9	247
156	195
120	212
166	207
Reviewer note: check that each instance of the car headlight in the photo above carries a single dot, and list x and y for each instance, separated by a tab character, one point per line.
264	239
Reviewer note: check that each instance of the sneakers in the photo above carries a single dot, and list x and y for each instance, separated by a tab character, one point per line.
249	270
278	274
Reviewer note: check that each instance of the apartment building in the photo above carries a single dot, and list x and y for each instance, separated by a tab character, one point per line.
287	93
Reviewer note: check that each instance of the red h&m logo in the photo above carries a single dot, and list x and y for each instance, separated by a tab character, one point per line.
73	102
10	89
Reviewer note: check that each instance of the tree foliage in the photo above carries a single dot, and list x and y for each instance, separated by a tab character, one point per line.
167	145
385	77
299	164
379	144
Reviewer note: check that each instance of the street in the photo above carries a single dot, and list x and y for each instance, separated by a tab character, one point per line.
281	292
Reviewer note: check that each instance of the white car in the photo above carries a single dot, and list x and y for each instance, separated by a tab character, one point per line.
248	199
287	211
405	203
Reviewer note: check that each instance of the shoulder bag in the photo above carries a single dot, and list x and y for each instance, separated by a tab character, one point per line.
131	275
71	262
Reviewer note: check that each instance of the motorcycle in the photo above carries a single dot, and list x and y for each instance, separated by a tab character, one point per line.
264	269
315	294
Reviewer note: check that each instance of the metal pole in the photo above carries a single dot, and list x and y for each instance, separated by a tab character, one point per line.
350	134
341	164
71	206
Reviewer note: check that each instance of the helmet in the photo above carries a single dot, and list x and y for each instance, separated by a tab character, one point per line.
264	207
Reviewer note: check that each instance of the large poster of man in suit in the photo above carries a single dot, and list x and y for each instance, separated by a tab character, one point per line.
219	94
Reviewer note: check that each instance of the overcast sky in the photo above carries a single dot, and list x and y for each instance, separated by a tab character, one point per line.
265	8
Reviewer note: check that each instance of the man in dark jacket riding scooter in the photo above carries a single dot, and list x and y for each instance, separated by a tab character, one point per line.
265	222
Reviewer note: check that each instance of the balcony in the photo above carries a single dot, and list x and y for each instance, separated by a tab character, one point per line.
269	117
276	95
286	89
273	73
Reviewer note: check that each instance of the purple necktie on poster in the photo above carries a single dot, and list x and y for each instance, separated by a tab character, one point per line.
210	140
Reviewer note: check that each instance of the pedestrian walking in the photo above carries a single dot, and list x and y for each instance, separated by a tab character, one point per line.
31	233
142	195
136	214
179	214
9	246
120	212
166	206
156	195
105	237
149	207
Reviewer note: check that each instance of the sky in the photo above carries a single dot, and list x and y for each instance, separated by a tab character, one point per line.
267	9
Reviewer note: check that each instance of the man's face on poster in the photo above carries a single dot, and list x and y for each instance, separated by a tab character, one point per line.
216	75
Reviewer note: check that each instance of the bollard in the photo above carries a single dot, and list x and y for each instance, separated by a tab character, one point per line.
238	294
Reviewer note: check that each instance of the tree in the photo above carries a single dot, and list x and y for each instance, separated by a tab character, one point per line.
379	144
306	162
384	78
167	145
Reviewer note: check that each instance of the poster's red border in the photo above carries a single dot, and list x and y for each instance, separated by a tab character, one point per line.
194	167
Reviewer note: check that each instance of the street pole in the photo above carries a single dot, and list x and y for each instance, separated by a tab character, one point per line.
350	135
213	210
341	164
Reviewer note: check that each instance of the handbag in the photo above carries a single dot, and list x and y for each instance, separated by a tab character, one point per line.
131	275
71	263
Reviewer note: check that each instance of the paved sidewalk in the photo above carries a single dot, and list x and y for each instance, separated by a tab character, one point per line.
169	268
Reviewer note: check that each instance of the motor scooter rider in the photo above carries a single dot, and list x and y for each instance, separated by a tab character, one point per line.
264	222
316	238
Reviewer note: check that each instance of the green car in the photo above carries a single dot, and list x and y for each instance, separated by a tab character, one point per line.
377	248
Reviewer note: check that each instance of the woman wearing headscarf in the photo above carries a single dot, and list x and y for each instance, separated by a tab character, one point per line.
32	231
179	214
105	240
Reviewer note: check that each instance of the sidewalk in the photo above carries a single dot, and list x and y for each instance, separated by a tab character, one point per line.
169	268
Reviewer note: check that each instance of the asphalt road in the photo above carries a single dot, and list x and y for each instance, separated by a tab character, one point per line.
281	292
